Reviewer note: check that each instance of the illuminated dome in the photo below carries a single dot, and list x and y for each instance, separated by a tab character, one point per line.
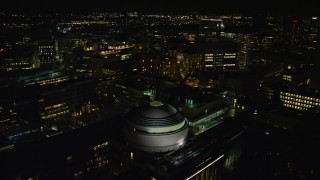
157	127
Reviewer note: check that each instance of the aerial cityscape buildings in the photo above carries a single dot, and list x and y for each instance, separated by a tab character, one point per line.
159	95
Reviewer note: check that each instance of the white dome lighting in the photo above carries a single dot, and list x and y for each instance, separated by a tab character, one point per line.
157	127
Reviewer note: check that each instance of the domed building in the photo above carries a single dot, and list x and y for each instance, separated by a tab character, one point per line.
157	127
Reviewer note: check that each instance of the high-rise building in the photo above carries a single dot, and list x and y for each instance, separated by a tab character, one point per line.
216	53
294	34
245	46
46	54
159	65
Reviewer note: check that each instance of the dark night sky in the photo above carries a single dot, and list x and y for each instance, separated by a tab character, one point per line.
212	6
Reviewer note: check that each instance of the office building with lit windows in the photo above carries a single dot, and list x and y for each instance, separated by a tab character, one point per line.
43	78
52	101
46	56
68	44
300	100
25	111
159	65
54	104
292	89
150	63
17	63
220	59
215	53
61	101
17	59
246	44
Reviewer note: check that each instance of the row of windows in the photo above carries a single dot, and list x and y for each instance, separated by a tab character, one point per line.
54	106
46	53
45	47
298	100
55	115
296	96
229	57
22	63
49	81
296	107
301	104
287	77
54	111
